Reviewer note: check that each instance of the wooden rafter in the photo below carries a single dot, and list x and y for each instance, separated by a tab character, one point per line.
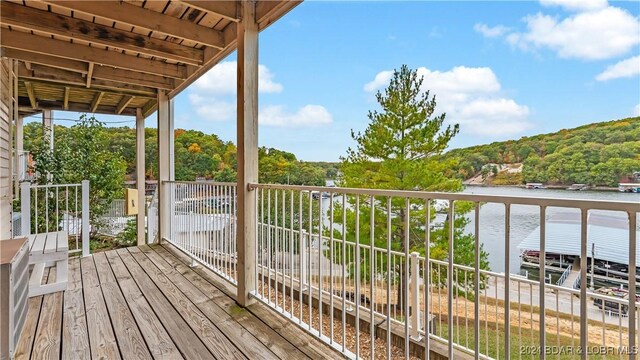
71	79
89	74
54	24
124	102
65	49
225	9
137	16
65	103
78	107
32	94
96	101
149	107
99	72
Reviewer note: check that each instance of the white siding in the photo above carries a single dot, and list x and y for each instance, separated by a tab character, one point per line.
6	119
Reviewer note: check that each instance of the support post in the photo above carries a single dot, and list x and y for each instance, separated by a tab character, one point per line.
415	296
247	125
165	159
25	208
140	178
20	159
85	218
47	123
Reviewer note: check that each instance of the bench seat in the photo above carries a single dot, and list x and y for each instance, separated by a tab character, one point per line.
45	250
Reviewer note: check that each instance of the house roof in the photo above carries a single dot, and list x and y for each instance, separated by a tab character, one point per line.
113	56
608	232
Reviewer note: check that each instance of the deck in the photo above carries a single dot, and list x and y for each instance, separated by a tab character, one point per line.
148	303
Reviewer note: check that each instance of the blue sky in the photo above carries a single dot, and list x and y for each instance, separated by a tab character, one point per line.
502	70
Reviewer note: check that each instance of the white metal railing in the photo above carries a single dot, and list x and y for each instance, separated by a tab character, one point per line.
56	207
152	218
565	275
203	223
333	284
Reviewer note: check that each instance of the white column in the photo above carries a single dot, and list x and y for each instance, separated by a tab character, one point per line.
247	125
47	123
140	178
165	160
19	158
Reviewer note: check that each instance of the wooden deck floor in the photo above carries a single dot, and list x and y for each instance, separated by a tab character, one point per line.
147	303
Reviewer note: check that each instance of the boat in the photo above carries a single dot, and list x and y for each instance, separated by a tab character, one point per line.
614	307
629	187
535	186
578	187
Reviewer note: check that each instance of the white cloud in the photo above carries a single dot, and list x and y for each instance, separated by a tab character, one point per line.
221	80
599	34
636	110
211	108
622	69
471	97
576	5
490	32
309	115
381	79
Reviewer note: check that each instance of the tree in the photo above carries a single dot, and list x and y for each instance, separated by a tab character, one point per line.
400	149
82	153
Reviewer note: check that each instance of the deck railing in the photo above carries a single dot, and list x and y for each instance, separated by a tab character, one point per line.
335	285
203	224
55	207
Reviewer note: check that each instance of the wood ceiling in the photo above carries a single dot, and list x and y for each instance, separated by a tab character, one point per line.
113	56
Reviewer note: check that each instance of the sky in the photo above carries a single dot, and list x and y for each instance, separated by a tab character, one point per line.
502	70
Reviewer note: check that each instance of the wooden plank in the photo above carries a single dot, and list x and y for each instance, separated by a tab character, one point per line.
55	24
130	340
246	341
96	101
75	337
89	74
225	9
162	346
207	332
67	50
26	341
38	243
48	60
63	241
181	333
48	335
124	102
101	338
65	102
149	108
75	80
51	242
200	276
137	16
32	94
132	77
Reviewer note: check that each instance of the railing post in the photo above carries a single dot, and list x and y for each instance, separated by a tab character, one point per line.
415	296
85	218
25	208
151	223
192	248
303	260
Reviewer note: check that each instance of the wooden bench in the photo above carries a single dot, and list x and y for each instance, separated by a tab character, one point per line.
46	250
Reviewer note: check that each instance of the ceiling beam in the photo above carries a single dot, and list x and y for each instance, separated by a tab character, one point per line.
137	16
30	18
89	75
73	106
32	94
48	60
225	9
124	102
65	49
65	102
96	101
99	72
149	107
75	80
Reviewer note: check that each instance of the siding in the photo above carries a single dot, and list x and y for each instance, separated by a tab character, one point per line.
6	119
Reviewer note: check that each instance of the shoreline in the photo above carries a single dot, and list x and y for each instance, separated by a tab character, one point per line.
548	187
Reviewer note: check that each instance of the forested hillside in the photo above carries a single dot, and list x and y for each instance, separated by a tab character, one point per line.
197	155
597	154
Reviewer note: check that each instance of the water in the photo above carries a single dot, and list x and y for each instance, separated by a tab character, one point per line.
524	219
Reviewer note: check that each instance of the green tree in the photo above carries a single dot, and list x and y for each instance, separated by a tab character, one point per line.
82	152
400	149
